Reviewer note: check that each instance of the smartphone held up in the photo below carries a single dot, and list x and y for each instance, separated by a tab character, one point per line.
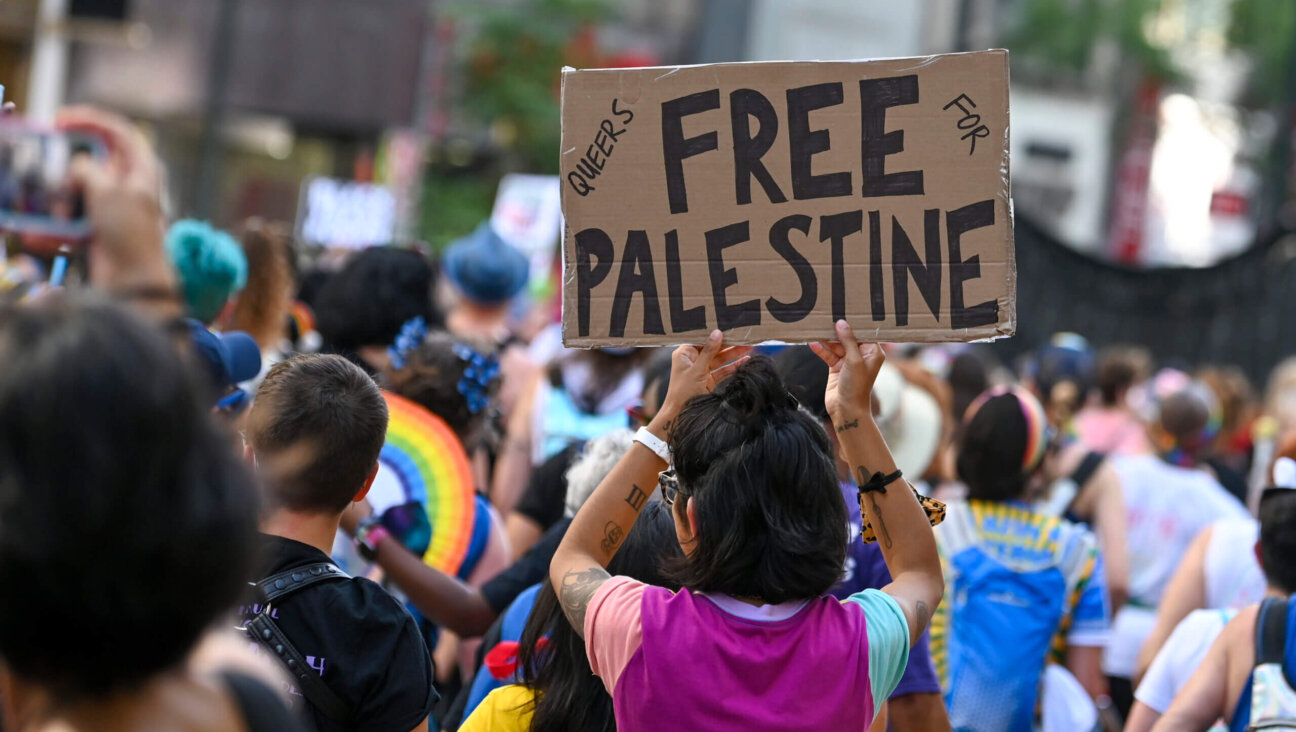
37	199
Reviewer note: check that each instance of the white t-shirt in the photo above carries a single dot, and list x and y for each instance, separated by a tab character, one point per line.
1166	507
1180	656
1233	575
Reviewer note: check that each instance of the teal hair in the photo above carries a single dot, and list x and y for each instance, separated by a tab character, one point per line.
211	265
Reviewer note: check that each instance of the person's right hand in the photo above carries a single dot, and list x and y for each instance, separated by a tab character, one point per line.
852	369
696	370
123	201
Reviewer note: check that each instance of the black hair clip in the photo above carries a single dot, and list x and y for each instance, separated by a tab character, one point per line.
879	482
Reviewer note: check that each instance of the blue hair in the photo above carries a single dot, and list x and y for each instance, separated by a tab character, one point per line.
211	265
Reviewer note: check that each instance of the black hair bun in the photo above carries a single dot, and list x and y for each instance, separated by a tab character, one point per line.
756	393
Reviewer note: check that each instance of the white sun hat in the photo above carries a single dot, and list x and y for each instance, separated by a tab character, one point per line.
910	420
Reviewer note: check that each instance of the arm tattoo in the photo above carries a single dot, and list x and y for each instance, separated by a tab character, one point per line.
637	498
875	516
848	426
577	590
612	536
875	511
924	615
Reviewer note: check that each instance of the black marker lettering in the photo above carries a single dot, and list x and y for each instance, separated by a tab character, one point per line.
836	228
905	263
743	105
579	184
682	320
957	223
636	276
803	142
728	316
792	312
603	142
676	147
876	96
590	243
629	116
877	298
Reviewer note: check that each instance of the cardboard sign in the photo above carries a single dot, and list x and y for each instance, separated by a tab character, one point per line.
345	214
528	215
770	199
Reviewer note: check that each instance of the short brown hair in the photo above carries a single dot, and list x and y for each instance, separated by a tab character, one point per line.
1119	368
317	427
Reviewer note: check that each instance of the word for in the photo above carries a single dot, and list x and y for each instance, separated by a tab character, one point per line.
970	121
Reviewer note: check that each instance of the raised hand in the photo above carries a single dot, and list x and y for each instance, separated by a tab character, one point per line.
123	200
852	369
697	370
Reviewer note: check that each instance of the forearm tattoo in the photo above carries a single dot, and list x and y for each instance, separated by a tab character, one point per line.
637	498
612	536
875	511
576	591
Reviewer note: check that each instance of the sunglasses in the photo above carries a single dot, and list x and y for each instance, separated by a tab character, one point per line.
637	415
670	487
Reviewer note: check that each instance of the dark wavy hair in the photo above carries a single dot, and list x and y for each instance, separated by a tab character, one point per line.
368	300
127	521
431	376
568	694
760	471
993	449
1278	539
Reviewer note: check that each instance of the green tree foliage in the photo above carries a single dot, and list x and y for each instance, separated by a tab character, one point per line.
1266	29
507	104
512	73
1054	36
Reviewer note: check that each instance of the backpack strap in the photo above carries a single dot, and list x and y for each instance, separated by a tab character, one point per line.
279	586
1089	465
1271	632
263	630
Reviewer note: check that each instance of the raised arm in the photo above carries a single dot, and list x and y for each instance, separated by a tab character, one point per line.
123	200
1205	698
577	570
901	525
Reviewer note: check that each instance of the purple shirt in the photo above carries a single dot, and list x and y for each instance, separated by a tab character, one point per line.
866	569
685	661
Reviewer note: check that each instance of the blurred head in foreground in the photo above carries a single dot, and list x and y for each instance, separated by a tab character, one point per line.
124	516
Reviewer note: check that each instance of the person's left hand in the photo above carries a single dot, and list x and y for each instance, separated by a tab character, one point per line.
697	370
355	513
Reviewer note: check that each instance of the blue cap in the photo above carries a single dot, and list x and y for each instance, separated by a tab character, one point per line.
485	268
229	358
1066	357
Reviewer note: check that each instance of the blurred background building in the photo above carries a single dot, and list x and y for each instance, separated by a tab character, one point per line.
1144	132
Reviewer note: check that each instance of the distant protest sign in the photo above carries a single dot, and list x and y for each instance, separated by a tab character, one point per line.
770	199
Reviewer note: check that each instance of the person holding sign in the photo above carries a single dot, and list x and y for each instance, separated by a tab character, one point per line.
752	642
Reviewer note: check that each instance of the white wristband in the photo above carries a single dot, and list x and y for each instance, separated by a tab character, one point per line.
654	443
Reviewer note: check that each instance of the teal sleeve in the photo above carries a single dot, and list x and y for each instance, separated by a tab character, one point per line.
888	641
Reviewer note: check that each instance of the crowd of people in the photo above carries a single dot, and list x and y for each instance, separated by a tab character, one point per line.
245	488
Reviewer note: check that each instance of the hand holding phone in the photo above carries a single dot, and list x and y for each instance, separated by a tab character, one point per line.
122	201
37	196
